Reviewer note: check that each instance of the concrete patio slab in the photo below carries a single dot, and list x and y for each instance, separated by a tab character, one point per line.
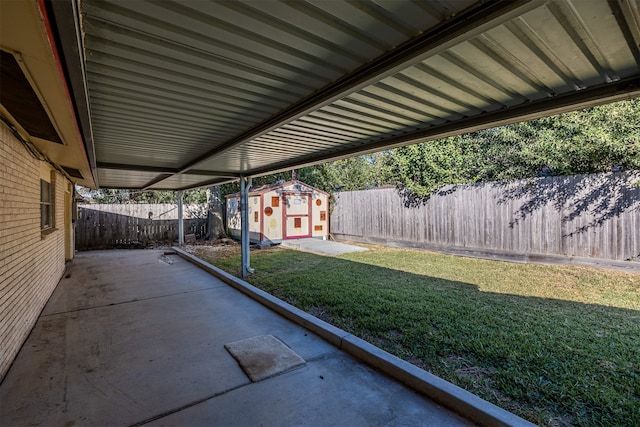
325	247
114	277
129	339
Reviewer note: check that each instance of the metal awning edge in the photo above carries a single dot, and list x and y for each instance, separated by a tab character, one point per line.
618	91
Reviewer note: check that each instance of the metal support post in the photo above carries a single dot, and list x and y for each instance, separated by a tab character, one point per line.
180	220
245	185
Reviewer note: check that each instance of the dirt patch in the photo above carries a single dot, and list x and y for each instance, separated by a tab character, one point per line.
222	249
457	361
562	421
320	313
420	363
476	372
393	334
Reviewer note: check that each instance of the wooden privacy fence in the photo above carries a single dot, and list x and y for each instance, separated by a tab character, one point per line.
594	216
105	226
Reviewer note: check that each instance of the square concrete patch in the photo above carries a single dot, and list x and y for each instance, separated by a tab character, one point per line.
263	357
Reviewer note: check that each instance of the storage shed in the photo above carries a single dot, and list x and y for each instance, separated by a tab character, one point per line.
285	210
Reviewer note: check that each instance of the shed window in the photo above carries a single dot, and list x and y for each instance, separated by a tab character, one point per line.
46	205
275	201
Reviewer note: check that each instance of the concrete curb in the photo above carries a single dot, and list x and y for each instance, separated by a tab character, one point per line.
443	392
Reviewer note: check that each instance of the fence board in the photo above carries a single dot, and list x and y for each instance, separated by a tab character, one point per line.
103	226
594	215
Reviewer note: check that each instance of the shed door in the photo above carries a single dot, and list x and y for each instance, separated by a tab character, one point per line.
297	216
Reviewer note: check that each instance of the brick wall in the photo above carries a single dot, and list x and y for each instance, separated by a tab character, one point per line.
31	263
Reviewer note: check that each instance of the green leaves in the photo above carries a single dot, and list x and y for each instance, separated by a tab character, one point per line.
106	195
598	139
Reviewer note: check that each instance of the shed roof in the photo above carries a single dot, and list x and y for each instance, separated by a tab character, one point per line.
262	189
181	94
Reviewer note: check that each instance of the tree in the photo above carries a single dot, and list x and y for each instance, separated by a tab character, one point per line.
422	168
215	222
354	173
106	195
117	196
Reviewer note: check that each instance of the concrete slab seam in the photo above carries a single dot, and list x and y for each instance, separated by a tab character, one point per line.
188	405
78	310
325	330
443	392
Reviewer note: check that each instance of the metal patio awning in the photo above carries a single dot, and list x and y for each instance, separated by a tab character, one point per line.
181	94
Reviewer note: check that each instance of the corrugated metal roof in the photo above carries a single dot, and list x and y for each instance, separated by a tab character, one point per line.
113	178
251	87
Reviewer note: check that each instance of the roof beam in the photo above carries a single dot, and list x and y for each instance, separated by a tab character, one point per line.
210	183
163	170
221	178
156	180
135	168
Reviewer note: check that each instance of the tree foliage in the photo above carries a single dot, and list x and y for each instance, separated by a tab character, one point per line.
598	139
119	196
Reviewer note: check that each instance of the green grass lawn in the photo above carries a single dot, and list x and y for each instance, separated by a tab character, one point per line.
556	345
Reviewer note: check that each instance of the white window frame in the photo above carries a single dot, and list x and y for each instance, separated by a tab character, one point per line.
46	205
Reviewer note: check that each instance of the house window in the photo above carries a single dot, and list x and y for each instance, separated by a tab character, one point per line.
323	215
275	201
46	205
255	216
297	222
